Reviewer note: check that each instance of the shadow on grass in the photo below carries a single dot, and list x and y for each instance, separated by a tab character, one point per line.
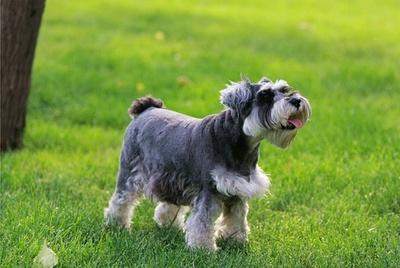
143	241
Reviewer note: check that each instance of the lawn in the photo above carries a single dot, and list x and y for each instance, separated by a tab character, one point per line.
335	196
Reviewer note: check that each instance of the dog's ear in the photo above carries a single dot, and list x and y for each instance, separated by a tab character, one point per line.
238	96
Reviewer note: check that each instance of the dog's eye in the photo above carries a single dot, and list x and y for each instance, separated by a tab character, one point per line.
284	89
265	95
265	92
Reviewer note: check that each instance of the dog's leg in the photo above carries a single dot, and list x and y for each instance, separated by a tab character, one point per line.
200	224
167	214
127	194
120	208
233	221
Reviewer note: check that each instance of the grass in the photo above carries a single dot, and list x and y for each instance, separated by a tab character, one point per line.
335	193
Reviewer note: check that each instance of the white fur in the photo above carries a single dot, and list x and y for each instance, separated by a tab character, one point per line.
165	213
280	112
280	84
198	236
120	208
252	125
280	138
229	183
267	85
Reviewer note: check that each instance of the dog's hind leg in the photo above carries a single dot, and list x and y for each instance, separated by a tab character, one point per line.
167	214
200	224
127	195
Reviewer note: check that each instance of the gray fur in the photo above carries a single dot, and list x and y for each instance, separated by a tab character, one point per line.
237	96
233	221
179	160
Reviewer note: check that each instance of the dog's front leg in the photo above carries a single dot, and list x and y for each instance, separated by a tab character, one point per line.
233	221
200	224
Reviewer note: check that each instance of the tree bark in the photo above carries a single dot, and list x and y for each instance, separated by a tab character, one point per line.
20	22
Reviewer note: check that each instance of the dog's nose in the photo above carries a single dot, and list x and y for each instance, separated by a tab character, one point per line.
295	102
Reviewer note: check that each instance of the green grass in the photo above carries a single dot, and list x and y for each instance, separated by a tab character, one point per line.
335	193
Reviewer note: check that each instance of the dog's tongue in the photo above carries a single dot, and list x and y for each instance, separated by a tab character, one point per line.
296	122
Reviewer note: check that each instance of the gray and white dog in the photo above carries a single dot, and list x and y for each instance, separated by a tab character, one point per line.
208	165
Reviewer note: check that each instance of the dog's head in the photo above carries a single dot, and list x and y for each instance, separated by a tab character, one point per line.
270	110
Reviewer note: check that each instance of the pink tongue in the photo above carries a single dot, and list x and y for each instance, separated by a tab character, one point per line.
296	122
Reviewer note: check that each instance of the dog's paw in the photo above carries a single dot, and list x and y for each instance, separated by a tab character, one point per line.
236	235
198	241
211	247
111	221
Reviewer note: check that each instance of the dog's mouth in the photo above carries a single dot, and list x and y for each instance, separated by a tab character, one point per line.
294	122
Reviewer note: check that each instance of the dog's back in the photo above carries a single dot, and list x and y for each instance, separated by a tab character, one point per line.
159	132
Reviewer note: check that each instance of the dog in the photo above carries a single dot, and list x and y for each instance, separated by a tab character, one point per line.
209	165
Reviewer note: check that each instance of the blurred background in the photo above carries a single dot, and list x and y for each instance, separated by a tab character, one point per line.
335	193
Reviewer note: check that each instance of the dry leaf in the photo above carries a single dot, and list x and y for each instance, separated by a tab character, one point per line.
159	36
304	25
46	258
140	87
119	83
182	81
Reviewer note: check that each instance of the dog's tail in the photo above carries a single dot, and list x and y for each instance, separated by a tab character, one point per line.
141	104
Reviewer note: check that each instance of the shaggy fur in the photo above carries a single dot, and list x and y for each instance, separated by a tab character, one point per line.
209	164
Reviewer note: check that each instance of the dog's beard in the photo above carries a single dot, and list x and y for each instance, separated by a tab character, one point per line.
280	138
274	126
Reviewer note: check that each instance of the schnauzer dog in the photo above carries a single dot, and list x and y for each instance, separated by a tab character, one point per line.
206	165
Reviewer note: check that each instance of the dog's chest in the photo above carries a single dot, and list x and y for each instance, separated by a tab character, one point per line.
233	184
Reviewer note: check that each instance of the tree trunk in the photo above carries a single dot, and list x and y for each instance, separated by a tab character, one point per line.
20	22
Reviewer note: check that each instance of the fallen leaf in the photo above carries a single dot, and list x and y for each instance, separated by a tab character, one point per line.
159	35
304	25
46	257
119	83
140	87
182	81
